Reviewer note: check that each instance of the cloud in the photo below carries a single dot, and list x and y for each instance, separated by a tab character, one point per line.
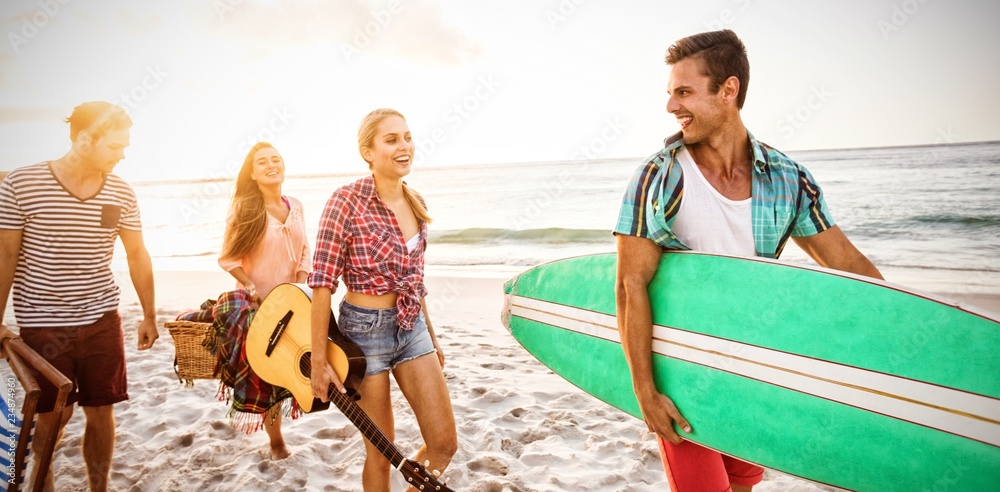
395	29
423	33
40	114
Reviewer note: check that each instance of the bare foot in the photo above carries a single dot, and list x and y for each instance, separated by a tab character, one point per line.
278	449
279	452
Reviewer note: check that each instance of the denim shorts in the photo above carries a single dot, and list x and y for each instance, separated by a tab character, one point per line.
379	336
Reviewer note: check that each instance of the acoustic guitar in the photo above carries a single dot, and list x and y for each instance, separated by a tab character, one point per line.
279	350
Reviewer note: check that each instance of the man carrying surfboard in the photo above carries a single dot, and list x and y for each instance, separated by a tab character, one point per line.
713	188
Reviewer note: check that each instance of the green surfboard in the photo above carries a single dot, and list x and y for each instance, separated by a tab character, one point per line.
845	381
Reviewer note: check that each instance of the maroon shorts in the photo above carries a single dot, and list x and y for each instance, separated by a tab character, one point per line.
92	356
694	468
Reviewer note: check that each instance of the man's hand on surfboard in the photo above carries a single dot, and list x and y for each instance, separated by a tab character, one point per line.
660	413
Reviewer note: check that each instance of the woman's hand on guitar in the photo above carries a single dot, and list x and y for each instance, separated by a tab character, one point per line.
321	377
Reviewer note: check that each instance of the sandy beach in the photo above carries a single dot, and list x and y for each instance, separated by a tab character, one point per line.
520	426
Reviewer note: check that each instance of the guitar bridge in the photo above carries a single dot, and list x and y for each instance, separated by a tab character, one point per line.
279	329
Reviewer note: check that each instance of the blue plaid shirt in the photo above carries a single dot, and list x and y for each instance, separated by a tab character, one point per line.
786	199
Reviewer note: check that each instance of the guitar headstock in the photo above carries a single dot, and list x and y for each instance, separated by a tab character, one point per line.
418	477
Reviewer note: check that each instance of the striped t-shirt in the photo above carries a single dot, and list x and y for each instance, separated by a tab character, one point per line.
63	275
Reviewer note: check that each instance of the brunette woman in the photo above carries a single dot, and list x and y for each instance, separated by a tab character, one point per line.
264	246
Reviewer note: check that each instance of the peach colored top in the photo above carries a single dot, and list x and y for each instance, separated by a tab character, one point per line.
281	253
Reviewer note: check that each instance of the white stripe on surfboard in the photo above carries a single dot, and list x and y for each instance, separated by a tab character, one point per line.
957	412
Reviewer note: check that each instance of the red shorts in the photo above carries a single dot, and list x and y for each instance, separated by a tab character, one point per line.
694	468
92	356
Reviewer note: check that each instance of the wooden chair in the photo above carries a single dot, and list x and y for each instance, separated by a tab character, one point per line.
21	358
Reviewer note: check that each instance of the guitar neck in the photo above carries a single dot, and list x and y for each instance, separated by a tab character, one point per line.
360	419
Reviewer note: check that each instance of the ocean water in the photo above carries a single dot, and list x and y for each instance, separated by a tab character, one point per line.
923	215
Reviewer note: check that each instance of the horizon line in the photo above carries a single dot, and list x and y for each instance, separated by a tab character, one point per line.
523	163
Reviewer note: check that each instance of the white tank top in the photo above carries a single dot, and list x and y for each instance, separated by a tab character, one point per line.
412	243
708	221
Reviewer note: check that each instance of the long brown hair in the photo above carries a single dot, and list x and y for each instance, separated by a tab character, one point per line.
366	139
247	209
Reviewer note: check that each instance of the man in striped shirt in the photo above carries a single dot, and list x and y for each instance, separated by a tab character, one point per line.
713	188
58	224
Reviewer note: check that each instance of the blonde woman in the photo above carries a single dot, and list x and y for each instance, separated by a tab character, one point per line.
373	234
264	245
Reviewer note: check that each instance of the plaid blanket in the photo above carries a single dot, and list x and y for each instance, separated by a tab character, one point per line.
253	400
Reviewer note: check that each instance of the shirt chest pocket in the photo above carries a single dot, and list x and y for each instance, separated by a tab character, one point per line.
784	217
110	215
380	247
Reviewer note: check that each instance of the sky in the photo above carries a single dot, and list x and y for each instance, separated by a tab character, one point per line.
480	82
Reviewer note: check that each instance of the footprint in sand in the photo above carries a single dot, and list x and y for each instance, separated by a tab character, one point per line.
216	480
512	447
488	464
490	395
269	471
494	486
330	433
185	440
222	430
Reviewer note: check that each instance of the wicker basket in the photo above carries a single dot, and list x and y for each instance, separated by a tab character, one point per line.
192	360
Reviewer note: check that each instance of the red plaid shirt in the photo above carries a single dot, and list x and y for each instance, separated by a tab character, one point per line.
359	239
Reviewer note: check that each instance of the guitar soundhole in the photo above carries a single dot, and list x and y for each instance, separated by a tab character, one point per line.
305	364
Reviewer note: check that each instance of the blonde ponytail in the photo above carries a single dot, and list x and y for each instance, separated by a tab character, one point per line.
416	204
